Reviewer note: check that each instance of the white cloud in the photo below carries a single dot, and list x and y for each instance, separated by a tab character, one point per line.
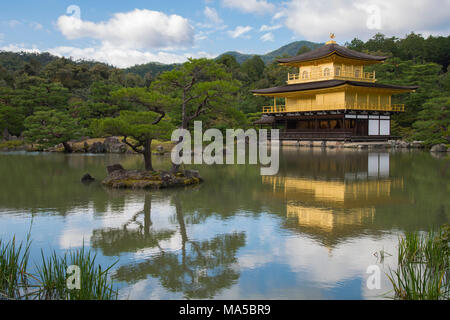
123	58
250	6
239	31
212	15
315	19
136	29
278	15
20	47
36	25
267	37
13	23
269	28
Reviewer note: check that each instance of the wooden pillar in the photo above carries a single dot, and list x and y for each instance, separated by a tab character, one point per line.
356	99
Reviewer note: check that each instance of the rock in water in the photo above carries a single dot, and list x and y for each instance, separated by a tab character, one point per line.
87	178
113	145
114	167
135	179
439	148
192	174
97	147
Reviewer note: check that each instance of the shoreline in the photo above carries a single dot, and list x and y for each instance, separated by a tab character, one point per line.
113	145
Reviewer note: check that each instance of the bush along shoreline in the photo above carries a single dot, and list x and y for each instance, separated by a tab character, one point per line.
50	282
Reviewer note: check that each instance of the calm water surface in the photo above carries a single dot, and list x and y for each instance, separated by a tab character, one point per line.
308	233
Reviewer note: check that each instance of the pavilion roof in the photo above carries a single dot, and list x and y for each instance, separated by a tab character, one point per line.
330	84
330	49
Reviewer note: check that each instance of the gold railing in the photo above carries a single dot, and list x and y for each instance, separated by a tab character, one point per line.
331	107
339	75
274	109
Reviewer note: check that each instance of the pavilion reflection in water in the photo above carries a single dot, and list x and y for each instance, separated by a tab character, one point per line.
342	201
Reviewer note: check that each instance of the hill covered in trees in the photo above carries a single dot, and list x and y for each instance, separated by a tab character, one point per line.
290	49
82	92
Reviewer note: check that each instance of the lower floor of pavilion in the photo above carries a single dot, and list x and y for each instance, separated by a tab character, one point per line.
354	126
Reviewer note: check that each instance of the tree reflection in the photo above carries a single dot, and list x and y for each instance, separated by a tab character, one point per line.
113	241
199	269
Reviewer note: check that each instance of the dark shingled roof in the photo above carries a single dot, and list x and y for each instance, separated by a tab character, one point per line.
265	120
328	49
329	84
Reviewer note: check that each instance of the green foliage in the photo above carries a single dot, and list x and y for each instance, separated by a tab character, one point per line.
11	144
94	282
423	266
303	50
200	87
50	283
253	68
11	119
433	126
49	128
153	68
13	267
137	125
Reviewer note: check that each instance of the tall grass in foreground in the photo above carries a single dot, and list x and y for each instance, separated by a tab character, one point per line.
50	282
13	266
423	266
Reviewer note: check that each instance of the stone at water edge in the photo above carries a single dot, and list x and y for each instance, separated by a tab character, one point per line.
97	147
113	145
191	174
114	167
87	178
439	148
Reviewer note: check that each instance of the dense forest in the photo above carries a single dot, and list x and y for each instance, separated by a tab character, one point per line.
51	100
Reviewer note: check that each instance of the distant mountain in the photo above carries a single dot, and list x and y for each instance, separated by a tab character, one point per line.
290	49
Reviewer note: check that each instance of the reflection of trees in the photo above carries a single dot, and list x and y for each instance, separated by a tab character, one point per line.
51	183
113	241
199	269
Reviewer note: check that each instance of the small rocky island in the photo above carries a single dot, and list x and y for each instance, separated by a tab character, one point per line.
120	178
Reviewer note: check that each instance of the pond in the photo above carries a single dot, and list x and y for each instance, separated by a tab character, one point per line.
310	232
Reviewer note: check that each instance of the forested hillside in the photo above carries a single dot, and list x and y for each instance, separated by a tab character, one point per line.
82	92
290	49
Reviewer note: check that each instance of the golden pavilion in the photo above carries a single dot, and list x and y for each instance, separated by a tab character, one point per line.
332	97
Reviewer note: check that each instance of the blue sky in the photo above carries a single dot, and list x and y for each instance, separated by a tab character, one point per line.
125	33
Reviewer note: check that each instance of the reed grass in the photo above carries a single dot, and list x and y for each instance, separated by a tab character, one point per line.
13	265
423	266
50	282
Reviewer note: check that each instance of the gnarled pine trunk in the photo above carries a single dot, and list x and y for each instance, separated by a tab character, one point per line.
147	152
